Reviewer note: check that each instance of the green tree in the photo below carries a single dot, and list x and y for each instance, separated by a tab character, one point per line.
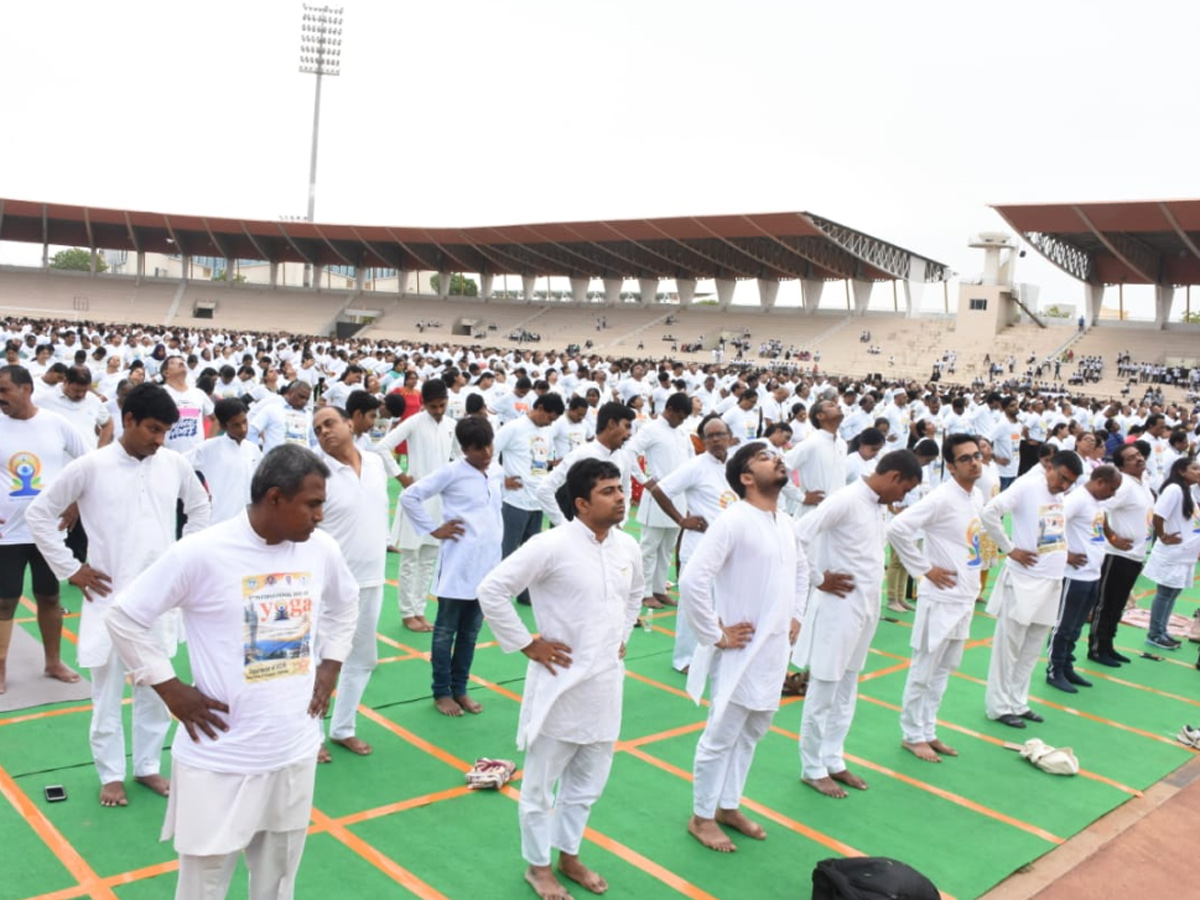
460	286
77	260
1193	318
224	276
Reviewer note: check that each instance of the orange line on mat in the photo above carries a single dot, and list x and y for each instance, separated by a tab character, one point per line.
483	682
32	607
670	689
952	797
402	805
1138	652
987	738
53	839
379	860
1141	687
1085	715
139	874
660	736
811	833
419	742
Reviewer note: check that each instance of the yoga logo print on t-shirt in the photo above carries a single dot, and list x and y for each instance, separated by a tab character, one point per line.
188	425
1051	531
1098	527
25	469
539	456
276	625
974	544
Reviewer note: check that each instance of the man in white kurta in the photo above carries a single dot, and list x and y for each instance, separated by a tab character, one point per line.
227	461
844	541
430	437
1026	596
665	447
585	583
614	428
819	462
471	490
356	517
126	494
948	564
742	593
270	609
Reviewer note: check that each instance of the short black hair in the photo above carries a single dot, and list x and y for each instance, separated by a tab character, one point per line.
434	389
474	433
18	374
612	411
739	463
954	440
904	462
150	401
79	375
1069	460
395	404
583	475
362	401
285	467
551	403
679	402
226	409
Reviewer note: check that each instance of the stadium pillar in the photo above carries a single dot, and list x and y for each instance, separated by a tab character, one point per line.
1093	298
528	283
810	294
768	290
487	285
686	288
579	290
402	282
725	287
360	278
912	297
862	295
318	273
612	291
230	271
444	284
274	274
141	264
1164	296
649	289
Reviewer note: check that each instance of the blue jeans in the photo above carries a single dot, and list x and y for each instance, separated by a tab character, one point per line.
1006	480
519	526
1160	611
1078	599
453	650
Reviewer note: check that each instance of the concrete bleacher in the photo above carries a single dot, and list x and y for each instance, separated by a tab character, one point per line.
253	308
1144	344
402	314
80	296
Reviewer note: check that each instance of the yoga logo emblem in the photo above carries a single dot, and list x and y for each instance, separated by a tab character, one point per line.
26	470
1098	527
974	544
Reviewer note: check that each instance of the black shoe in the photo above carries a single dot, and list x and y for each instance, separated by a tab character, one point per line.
1105	660
1011	721
1118	657
1075	678
1061	682
1030	716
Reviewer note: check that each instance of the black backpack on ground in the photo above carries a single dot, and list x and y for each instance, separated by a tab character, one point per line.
870	878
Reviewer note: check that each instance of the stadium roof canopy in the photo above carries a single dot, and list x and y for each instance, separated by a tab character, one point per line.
1141	242
795	245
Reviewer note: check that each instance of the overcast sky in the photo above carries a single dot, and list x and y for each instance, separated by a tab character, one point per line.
904	120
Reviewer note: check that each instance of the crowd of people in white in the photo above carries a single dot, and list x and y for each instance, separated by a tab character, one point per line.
233	488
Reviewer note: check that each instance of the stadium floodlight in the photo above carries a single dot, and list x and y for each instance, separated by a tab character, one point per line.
320	55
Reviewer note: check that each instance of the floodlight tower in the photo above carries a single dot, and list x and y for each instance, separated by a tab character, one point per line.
320	55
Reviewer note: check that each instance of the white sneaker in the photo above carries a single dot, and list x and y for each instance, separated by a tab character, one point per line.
1189	737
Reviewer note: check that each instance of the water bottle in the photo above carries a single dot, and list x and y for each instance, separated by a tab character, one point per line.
647	617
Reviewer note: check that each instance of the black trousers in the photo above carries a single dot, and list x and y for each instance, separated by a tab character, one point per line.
1116	581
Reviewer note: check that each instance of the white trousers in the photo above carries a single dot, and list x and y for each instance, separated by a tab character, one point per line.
657	546
828	712
359	664
928	675
685	638
151	720
271	856
723	757
549	821
1015	651
416	573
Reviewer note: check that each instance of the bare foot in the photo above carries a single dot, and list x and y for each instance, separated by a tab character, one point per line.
652	603
944	749
354	745
416	623
707	832
113	794
447	706
666	600
897	606
737	821
156	783
571	867
921	750
61	672
544	884
392	548
826	786
849	779
474	707
323	755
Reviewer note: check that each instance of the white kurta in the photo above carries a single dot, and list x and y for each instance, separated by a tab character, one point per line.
127	506
748	567
431	445
228	467
585	594
665	450
548	486
819	464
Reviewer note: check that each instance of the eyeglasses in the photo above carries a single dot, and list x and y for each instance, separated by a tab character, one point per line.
968	457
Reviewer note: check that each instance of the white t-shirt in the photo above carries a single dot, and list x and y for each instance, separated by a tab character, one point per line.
194	406
1085	533
356	515
33	452
86	415
228	468
1173	565
525	453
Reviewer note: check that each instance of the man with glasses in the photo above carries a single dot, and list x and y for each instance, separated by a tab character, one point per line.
1025	599
949	565
704	492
